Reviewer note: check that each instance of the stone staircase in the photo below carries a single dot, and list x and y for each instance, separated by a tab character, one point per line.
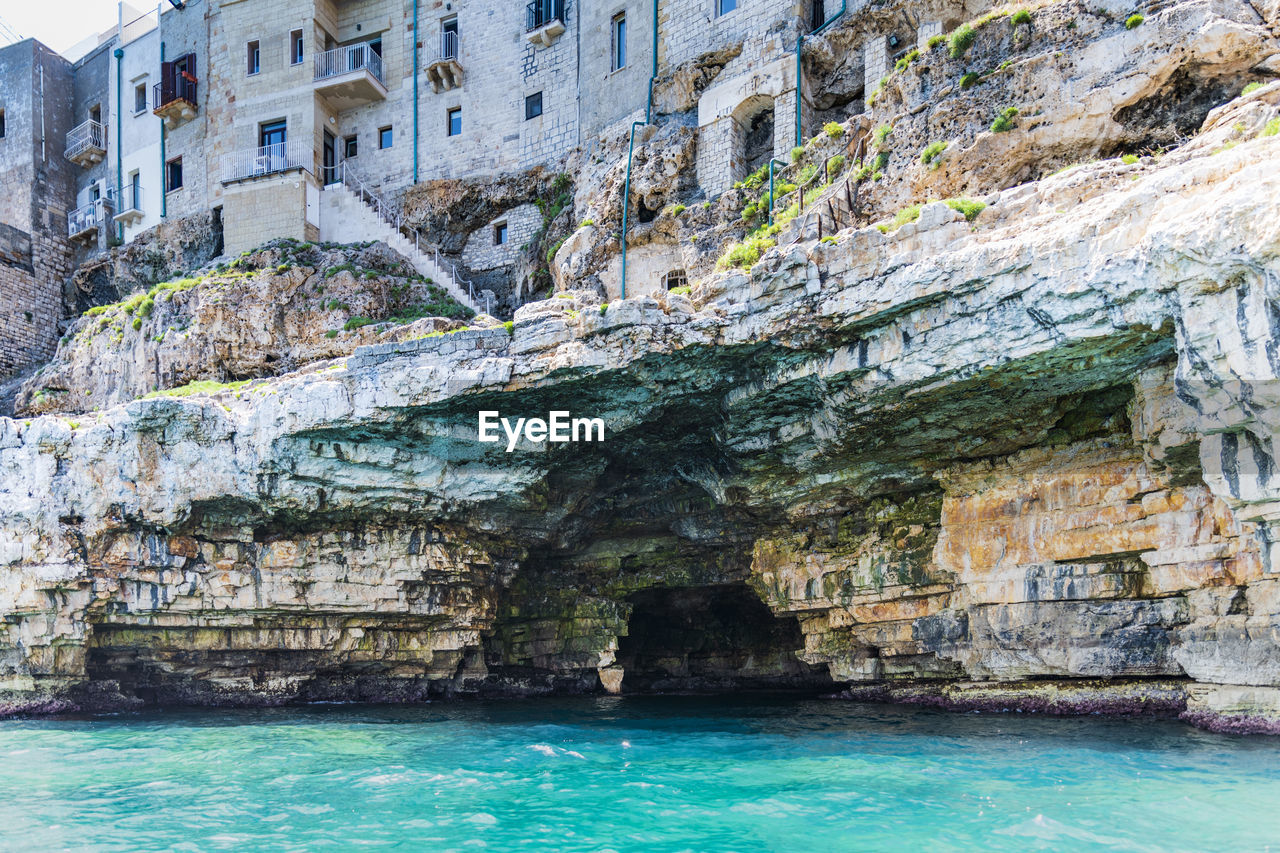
834	209
351	215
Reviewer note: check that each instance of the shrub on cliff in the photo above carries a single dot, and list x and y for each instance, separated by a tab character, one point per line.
931	152
746	254
1004	121
1133	22
960	41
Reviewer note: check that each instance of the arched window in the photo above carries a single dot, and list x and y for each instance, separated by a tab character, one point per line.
675	278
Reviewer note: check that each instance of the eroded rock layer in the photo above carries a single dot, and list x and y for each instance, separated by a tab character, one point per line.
1022	461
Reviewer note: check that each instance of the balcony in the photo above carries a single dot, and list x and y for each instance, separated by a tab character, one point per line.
268	160
175	98
544	21
87	144
350	76
130	206
85	223
444	72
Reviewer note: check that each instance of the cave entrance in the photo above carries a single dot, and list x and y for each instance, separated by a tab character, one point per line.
754	118
711	638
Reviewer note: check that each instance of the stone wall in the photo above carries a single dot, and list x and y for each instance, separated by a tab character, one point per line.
483	253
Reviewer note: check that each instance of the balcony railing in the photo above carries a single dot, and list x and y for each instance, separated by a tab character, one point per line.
448	47
86	141
268	160
344	60
539	13
176	87
90	216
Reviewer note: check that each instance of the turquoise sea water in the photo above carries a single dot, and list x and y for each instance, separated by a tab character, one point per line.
633	774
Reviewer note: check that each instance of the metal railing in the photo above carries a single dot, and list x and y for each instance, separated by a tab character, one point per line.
176	88
539	13
391	215
344	60
91	215
131	201
84	137
267	160
449	46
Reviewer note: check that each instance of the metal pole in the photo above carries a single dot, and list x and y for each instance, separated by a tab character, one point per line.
648	118
799	70
415	91
783	165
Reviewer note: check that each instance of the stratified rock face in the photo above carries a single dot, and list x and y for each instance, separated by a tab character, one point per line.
1027	460
273	310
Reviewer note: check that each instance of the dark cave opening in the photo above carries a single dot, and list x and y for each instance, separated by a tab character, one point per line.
712	638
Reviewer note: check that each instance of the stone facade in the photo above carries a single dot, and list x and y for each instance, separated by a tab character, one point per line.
484	252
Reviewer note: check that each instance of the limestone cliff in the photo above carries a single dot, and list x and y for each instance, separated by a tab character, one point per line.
1021	461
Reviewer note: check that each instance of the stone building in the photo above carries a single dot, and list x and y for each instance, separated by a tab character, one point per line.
277	114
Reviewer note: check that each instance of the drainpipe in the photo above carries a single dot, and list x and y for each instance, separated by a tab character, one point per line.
799	78
415	91
648	118
783	165
119	55
164	177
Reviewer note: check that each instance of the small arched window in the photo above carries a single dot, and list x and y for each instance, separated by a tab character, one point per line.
675	278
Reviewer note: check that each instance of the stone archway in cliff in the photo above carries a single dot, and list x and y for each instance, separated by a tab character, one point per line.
703	638
753	146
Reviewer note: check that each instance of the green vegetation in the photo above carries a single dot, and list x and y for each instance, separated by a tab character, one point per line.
678	209
745	255
931	152
834	129
553	248
969	79
603	308
510	326
935	41
908	214
797	153
357	322
755	180
905	62
829	239
1272	128
1133	22
1251	88
200	386
331	334
882	136
960	41
968	206
1022	16
875	94
587	222
1004	121
683	290
1129	159
834	166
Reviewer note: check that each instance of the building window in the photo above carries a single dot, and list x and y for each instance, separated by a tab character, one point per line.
533	106
255	58
272	133
724	7
619	54
500	234
173	175
350	146
384	137
675	278
95	113
1	124
140	98
295	47
455	121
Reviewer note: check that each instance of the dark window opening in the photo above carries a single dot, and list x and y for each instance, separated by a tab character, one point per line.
675	278
384	137
455	121
500	234
350	146
1	124
757	146
173	174
817	14
95	113
255	58
295	47
533	106
724	7
644	214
